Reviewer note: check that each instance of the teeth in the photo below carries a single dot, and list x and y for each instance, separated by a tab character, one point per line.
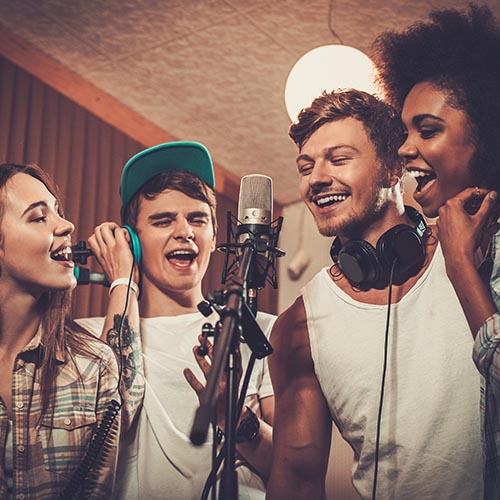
182	255
181	252
64	253
332	198
418	173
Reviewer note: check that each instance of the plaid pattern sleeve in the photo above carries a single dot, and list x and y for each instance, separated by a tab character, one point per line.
487	358
47	449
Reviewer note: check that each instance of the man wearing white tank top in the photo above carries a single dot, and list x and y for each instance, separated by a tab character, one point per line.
398	380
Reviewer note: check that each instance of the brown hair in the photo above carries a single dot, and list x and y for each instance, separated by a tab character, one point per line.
380	121
59	332
185	182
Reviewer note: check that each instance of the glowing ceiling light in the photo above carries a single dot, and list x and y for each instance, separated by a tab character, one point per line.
327	68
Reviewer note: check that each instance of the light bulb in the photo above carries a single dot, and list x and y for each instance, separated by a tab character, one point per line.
328	67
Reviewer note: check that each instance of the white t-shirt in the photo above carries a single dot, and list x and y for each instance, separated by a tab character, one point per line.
157	459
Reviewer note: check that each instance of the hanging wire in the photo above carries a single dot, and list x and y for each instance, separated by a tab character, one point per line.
382	389
330	22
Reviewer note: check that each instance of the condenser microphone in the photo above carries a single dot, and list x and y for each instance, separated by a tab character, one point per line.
255	206
255	216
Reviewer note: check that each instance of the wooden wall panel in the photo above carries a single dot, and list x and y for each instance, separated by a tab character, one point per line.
85	155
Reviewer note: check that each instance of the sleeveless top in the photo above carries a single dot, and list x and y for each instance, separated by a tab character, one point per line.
430	441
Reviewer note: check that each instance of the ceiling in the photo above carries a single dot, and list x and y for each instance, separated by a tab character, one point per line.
207	70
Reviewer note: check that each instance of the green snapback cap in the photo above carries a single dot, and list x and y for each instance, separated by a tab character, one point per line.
180	156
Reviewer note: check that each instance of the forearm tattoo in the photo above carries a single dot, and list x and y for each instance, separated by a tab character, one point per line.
127	347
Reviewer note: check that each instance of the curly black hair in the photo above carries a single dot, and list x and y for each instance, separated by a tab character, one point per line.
458	52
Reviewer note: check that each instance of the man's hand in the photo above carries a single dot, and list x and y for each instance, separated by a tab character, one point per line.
205	364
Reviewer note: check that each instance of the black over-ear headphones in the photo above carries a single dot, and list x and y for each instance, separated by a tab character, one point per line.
368	267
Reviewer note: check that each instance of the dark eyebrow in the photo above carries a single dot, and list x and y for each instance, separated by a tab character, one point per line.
418	119
198	213
303	157
173	215
162	215
36	204
333	149
327	152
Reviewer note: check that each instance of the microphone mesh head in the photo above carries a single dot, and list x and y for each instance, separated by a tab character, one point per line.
255	205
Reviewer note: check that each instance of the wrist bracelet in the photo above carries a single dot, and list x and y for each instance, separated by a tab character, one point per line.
124	281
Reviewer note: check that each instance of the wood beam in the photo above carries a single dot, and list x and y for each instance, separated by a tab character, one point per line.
96	101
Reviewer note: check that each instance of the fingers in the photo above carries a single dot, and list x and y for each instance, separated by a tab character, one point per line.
111	235
488	204
204	361
477	202
468	193
193	381
102	234
112	250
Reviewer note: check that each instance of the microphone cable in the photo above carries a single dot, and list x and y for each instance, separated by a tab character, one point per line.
382	388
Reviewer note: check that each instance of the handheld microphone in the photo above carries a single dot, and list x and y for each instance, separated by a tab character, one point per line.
79	254
85	277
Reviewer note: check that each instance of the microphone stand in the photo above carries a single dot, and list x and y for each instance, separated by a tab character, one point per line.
225	353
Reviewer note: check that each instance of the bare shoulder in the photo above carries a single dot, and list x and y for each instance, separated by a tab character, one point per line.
290	329
291	360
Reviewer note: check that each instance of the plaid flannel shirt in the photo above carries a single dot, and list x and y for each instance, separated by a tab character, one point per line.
487	358
48	449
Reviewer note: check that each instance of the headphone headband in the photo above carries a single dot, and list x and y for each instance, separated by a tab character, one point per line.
415	216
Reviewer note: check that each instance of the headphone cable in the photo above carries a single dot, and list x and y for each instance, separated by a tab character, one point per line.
120	327
382	389
97	450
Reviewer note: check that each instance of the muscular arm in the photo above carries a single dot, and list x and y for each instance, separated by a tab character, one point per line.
302	425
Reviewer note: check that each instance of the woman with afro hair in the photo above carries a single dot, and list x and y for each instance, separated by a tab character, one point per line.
444	76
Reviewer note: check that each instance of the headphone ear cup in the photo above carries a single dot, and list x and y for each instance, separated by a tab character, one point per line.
404	244
135	244
359	262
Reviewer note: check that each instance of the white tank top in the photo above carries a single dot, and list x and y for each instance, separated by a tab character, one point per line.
430	442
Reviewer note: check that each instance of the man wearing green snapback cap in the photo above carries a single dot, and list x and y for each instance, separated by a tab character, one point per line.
168	200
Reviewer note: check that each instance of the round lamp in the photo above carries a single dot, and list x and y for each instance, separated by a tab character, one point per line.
327	68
